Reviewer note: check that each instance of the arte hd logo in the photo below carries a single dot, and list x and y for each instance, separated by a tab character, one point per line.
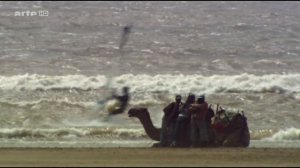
32	13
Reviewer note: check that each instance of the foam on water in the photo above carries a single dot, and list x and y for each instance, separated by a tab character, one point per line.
285	134
143	83
43	82
77	134
104	133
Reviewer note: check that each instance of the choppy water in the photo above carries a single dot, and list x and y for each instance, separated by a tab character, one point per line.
53	69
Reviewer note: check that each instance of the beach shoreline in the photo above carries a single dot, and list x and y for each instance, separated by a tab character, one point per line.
153	157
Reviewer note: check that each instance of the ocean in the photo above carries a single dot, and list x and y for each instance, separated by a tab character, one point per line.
55	67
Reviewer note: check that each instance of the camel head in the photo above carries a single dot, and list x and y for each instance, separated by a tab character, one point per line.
138	112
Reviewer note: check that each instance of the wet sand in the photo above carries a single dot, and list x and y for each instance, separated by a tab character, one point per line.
225	157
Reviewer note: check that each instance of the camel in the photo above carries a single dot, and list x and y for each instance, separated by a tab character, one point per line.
235	134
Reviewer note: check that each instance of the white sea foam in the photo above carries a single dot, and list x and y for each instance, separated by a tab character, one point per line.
43	82
67	133
109	132
172	84
285	134
266	61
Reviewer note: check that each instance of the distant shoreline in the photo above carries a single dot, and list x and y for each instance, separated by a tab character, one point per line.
149	157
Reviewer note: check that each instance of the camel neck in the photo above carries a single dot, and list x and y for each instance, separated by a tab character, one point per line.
151	130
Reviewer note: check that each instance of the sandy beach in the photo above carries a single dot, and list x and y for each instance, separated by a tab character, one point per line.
123	157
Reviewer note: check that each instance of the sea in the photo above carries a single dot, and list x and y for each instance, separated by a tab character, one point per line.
58	60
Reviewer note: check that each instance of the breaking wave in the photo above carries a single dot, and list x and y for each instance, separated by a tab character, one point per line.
72	133
113	133
276	83
286	134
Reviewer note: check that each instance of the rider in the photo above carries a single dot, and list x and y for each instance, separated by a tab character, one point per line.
169	119
123	99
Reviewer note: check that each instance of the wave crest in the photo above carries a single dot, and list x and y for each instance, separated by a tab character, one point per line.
161	84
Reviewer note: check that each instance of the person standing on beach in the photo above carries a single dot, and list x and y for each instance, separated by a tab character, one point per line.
182	121
199	131
208	119
169	120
